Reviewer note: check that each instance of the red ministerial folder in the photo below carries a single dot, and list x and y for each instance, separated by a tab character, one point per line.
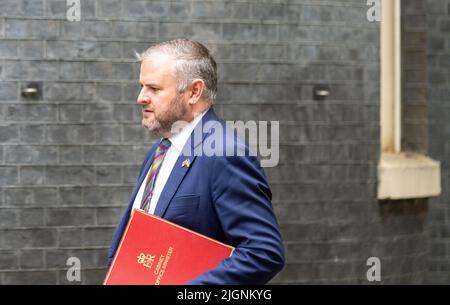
154	251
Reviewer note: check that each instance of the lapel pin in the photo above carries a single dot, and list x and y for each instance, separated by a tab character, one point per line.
186	163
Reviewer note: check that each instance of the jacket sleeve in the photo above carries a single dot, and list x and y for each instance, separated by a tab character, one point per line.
242	199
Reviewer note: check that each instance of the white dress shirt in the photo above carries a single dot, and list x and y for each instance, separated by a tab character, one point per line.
177	143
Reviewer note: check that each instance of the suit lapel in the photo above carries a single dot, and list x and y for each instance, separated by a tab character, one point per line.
179	171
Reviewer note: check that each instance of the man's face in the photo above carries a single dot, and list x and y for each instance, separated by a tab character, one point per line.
161	104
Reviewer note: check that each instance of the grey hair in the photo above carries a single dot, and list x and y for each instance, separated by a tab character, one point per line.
192	61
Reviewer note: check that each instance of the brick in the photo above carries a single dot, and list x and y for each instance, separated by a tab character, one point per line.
444	26
57	8
264	52
130	173
109	92
108	8
107	195
39	29
174	30
97	30
109	216
70	154
9	260
124	113
88	9
146	30
32	217
8	48
8	218
8	91
355	15
29	196
59	49
335	271
70	70
99	236
71	31
100	112
265	92
179	10
133	8
32	50
130	92
316	13
240	32
238	10
8	175
9	133
31	259
135	134
70	113
108	134
69	91
29	238
94	276
157	9
70	237
294	11
34	8
31	112
10	8
208	10
234	92
268	11
301	33
317	250
303	232
108	174
238	72
110	50
79	175
62	217
98	70
71	196
110	154
32	175
70	134
58	258
30	278
30	154
297	272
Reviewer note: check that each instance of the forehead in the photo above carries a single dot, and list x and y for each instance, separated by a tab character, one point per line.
157	68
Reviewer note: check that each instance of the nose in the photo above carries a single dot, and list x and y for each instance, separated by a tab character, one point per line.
143	98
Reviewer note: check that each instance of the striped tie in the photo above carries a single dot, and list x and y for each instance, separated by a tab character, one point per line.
153	172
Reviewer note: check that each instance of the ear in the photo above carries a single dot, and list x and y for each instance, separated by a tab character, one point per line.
195	91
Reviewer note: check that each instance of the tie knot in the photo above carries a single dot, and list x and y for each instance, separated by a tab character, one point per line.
164	144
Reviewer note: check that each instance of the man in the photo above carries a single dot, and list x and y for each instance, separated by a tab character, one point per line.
221	195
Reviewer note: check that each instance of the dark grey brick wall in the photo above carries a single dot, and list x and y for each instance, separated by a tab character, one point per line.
414	76
68	161
438	56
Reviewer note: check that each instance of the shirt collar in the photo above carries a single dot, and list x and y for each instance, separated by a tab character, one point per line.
179	139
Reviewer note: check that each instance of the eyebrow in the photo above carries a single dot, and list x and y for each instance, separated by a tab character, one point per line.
150	84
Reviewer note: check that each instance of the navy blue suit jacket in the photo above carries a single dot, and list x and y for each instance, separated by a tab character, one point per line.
224	197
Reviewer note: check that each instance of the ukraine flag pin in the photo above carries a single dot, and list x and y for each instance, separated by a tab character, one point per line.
186	163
